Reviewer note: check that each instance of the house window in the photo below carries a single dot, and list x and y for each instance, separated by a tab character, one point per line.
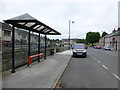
113	39
23	36
7	33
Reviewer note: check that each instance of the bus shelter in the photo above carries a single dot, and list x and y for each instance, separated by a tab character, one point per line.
29	23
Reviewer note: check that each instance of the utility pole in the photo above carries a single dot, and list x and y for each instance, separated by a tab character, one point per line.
69	32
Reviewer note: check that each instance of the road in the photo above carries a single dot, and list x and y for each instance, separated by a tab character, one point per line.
98	70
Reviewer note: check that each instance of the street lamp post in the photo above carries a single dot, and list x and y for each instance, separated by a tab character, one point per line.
69	32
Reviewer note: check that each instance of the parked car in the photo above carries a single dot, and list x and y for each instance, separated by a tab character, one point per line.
98	47
86	47
106	48
94	46
79	50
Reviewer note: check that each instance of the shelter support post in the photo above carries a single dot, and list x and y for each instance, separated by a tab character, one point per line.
45	46
69	33
29	36
13	49
39	47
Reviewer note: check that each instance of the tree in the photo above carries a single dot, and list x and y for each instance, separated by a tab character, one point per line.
80	41
92	37
104	33
57	40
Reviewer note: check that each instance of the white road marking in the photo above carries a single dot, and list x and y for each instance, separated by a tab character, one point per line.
105	67
116	76
98	61
66	65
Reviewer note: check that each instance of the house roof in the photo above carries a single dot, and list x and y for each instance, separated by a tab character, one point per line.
116	33
28	22
6	26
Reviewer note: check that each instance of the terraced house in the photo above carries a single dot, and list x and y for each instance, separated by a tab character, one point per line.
112	40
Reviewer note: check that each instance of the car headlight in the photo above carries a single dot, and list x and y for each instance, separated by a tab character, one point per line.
74	51
84	51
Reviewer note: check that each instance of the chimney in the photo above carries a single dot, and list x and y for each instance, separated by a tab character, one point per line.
114	31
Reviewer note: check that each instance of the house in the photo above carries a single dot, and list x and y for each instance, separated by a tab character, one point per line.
0	36
102	41
115	39
0	30
6	32
66	41
112	40
21	37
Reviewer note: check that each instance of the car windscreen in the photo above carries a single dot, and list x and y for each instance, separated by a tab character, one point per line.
78	47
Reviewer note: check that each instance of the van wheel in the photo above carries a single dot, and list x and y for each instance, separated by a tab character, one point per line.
85	56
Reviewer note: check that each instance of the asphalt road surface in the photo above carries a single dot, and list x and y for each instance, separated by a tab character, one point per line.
98	70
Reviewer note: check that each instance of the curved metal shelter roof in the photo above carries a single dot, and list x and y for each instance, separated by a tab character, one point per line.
28	22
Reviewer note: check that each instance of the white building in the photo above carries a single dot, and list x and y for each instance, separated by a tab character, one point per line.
6	33
0	30
0	37
111	40
66	41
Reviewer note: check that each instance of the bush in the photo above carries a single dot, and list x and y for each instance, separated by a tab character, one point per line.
57	49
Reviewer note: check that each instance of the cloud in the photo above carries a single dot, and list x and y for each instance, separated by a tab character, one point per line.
88	15
119	14
18	1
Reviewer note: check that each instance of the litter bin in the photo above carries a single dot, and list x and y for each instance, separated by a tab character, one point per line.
52	52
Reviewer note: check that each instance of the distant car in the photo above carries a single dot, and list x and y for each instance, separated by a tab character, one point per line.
86	47
79	50
94	46
106	48
98	47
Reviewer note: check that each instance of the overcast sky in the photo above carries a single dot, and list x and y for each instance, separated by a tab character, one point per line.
88	15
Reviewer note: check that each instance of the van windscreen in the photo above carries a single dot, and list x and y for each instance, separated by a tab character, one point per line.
78	47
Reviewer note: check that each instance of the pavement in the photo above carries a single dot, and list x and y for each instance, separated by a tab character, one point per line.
44	74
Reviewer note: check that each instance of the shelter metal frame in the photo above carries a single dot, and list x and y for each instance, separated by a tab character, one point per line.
29	23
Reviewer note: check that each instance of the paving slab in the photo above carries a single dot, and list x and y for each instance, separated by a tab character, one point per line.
40	75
